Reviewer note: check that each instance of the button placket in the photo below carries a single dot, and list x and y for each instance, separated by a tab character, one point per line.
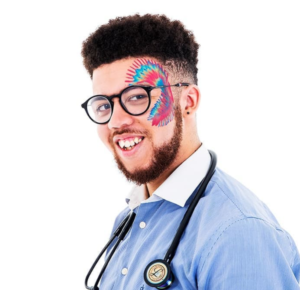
135	234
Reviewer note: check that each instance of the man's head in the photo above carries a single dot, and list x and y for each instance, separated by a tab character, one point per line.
126	55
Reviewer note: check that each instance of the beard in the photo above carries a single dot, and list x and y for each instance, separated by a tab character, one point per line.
162	157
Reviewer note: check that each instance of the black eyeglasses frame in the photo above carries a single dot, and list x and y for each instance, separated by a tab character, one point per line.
148	89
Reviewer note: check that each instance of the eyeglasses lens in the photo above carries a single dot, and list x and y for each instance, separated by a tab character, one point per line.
99	109
135	100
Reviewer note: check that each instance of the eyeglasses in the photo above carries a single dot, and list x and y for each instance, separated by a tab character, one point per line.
135	100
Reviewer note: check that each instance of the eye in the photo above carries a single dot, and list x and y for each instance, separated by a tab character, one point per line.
137	97
103	107
100	106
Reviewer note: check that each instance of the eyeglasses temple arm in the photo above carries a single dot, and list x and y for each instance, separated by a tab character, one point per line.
176	85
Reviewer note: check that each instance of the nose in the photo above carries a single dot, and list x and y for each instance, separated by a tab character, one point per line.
119	117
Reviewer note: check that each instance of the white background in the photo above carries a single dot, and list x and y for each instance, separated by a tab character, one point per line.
60	189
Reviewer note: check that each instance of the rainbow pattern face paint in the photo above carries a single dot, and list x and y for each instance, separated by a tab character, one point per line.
151	72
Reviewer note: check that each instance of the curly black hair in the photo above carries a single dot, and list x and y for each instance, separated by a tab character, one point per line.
139	36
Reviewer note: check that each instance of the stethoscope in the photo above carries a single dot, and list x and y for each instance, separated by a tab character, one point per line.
158	273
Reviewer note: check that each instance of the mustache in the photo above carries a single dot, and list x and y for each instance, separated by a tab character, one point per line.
130	131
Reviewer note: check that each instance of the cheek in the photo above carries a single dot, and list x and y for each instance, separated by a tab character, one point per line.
163	134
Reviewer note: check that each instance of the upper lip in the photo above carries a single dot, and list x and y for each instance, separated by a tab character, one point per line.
117	138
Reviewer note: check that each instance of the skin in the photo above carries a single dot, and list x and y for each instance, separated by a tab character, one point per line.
109	79
153	73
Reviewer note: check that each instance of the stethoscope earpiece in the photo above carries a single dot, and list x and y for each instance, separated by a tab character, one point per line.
158	274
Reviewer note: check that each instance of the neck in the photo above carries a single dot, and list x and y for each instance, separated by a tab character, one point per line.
185	151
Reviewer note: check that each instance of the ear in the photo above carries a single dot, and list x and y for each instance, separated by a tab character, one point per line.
190	101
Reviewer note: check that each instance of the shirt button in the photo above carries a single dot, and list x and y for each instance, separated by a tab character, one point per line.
142	225
124	271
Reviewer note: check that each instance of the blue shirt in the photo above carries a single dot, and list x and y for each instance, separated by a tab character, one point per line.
232	242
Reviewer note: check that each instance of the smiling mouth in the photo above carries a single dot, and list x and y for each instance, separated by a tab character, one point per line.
129	143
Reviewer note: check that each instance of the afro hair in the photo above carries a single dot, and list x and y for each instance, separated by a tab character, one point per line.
139	36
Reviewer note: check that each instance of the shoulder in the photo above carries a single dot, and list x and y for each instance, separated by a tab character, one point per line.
238	231
239	199
229	212
226	202
120	217
236	206
117	222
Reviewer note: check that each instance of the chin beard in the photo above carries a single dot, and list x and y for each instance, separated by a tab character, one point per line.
162	157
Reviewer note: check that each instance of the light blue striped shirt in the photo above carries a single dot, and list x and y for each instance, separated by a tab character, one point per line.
232	242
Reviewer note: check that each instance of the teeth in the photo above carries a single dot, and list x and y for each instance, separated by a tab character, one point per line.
129	144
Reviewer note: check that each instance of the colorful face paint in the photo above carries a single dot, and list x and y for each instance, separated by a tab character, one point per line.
151	72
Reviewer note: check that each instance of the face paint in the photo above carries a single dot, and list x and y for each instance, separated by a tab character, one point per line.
151	72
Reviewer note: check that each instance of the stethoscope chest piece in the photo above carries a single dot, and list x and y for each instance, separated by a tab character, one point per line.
158	274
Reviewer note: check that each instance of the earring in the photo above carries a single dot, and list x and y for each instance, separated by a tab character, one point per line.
187	112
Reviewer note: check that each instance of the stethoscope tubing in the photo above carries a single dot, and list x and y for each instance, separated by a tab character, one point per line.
118	233
183	224
121	237
127	222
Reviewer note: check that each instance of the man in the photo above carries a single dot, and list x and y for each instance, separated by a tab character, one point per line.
144	74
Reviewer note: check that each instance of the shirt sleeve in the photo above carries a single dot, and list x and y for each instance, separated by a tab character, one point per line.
251	254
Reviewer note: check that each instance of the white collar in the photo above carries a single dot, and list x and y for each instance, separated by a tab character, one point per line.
178	187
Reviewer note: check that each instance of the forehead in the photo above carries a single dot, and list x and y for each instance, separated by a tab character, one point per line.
111	78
